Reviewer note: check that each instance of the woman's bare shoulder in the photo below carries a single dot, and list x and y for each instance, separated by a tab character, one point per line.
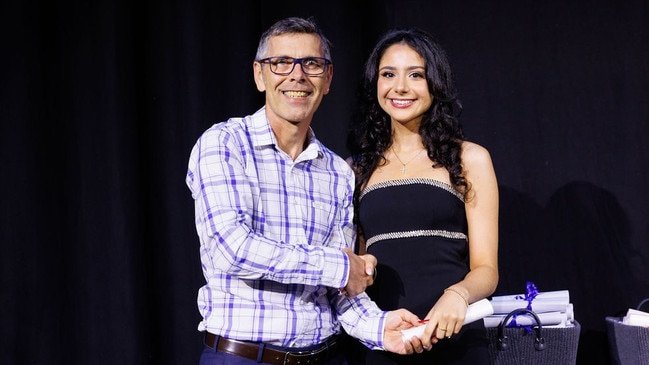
474	154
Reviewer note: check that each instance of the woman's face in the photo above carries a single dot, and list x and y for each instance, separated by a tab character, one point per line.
402	90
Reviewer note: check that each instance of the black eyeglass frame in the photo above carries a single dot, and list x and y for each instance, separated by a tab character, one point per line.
294	62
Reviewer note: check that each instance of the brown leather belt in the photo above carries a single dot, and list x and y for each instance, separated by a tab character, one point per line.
251	350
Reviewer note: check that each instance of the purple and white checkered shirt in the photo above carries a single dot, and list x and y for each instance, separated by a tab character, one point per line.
271	232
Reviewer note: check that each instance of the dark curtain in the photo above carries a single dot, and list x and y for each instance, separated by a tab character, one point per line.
101	102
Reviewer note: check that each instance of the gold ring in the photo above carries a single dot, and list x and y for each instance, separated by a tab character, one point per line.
443	329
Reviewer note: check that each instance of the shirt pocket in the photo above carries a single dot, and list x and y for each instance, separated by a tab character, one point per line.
325	221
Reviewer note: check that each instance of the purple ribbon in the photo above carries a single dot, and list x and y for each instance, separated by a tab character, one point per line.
530	294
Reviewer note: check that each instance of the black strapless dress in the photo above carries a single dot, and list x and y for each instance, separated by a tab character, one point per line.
417	230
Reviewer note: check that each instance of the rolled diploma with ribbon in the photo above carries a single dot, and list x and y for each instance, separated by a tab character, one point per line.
557	294
474	312
538	305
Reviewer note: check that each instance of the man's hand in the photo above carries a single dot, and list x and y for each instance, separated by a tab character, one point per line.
361	273
396	321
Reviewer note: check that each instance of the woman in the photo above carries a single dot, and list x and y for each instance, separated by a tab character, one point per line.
426	199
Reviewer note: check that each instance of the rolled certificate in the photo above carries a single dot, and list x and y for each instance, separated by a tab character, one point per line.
538	305
557	294
570	313
547	319
474	312
636	317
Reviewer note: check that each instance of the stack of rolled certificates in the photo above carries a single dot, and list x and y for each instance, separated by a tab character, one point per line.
552	307
636	317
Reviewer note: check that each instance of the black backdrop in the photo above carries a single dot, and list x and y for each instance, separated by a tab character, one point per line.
101	101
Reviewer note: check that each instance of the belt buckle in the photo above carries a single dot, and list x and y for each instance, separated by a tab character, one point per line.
303	354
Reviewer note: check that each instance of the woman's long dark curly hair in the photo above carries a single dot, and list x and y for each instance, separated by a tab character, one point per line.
370	133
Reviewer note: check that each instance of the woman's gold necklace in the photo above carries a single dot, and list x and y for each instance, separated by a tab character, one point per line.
403	165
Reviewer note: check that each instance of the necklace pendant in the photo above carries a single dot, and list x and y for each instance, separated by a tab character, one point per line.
403	165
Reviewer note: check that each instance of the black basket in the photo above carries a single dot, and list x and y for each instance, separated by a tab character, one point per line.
542	346
628	345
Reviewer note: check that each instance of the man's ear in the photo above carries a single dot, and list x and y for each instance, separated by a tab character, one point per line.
259	76
330	75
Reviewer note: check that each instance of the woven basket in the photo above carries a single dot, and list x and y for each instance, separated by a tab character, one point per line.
541	346
628	345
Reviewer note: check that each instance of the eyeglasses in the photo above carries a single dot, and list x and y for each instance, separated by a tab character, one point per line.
311	66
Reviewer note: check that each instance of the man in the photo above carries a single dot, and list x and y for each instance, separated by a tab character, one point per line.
274	218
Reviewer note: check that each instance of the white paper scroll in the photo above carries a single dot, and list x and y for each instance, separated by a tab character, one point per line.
557	294
552	301
636	318
538	306
547	319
